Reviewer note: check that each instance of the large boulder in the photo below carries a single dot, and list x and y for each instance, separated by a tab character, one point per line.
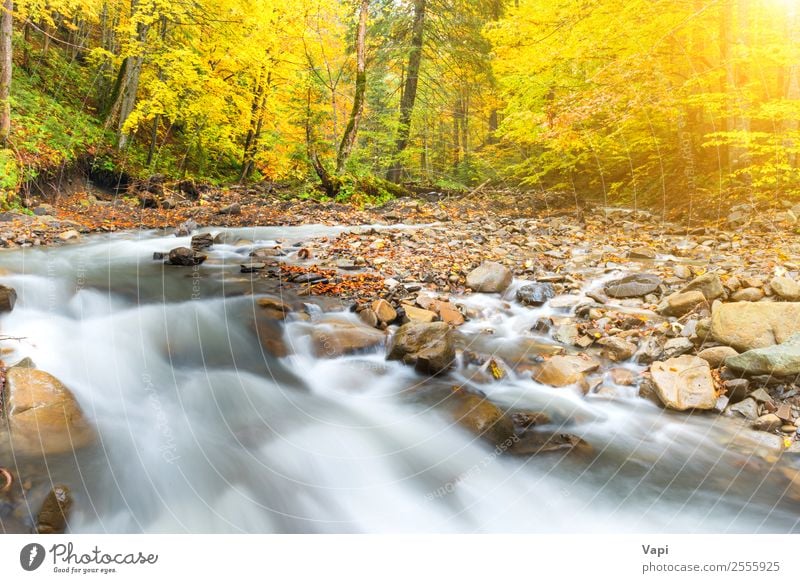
749	325
633	286
185	257
489	277
43	415
562	371
485	419
335	338
430	347
684	383
780	360
8	297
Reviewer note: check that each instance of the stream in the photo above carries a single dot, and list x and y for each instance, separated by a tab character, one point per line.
201	430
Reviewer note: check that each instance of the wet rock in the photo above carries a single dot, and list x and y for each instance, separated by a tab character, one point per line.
562	371
270	335
186	257
716	355
677	346
274	308
537	443
8	297
633	286
785	288
617	349
780	360
202	241
266	252
369	317
623	376
680	304
736	389
53	517
449	313
485	419
768	422
708	284
384	311
566	333
335	338
684	383
748	294
43	415
749	325
490	277
186	228
535	294
415	314
430	348
69	235
747	408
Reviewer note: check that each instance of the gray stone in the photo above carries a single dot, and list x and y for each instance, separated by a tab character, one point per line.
716	355
430	348
680	304
780	360
535	294
747	408
709	284
489	277
633	286
186	257
677	346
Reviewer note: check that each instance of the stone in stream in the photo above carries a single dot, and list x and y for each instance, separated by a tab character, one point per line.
266	252
681	303
768	422
273	308
536	442
429	347
8	297
384	311
43	415
53	517
562	371
785	288
418	315
186	257
716	355
449	313
489	277
780	360
535	294
252	267
202	241
484	418
684	383
708	284
334	338
749	325
633	286
676	347
368	316
617	349
185	228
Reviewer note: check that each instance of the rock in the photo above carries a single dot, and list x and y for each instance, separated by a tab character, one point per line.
736	389
8	298
490	277
784	413
684	383
485	419
633	286
186	257
45	210
419	315
535	294
562	371
69	235
369	317
252	267
785	288
566	333
681	303
642	253
716	355
429	347
186	228
676	347
231	209
681	271
202	241
649	351
270	334
761	396
747	408
780	360
748	294
26	362
335	338
43	415
749	325
266	252
536	442
168	203
623	376
768	422
449	313
708	284
617	349
53	517
384	311
273	308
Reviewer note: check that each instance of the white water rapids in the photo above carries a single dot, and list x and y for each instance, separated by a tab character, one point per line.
202	431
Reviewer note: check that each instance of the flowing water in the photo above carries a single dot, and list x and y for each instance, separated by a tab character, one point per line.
202	430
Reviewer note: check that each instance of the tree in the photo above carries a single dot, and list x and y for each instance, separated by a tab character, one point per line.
6	64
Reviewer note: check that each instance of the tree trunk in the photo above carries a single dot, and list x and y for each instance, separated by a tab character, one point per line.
791	125
329	183
409	91
351	130
6	63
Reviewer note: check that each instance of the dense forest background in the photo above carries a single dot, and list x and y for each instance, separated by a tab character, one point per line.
612	100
